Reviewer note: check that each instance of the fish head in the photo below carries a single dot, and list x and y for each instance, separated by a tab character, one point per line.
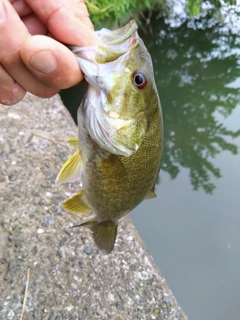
116	109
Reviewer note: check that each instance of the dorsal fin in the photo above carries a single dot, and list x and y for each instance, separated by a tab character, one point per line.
151	194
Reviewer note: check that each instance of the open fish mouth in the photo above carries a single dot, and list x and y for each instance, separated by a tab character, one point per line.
112	45
120	35
117	43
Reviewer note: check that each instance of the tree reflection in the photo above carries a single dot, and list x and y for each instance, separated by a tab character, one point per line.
193	68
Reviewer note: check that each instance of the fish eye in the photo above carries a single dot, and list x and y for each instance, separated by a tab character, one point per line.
139	79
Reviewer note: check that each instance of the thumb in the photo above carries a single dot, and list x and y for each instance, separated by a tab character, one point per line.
50	62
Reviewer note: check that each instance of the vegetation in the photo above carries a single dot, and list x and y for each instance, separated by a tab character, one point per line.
193	6
113	13
193	78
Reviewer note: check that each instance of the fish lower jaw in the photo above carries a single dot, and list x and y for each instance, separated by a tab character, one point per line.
116	122
113	114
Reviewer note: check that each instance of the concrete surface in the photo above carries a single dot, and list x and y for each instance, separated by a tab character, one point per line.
69	277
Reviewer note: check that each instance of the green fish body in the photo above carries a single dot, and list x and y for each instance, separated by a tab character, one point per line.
119	145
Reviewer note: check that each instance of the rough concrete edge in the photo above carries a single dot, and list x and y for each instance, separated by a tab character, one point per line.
130	228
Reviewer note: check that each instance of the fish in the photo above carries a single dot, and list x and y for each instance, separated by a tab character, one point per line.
120	133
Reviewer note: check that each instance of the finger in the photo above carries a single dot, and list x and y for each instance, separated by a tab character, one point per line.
51	62
67	20
21	7
31	21
12	29
13	33
10	91
15	67
34	25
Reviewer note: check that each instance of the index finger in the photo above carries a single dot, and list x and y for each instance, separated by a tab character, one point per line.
67	20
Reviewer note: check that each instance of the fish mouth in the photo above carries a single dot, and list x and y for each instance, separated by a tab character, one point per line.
113	44
117	43
120	35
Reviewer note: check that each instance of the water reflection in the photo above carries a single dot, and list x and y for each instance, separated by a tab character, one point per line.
194	71
193	81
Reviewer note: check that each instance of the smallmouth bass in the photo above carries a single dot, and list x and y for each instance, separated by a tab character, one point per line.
120	133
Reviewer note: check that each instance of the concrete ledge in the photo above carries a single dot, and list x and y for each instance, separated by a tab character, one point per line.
69	277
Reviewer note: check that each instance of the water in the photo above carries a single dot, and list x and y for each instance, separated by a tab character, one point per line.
192	228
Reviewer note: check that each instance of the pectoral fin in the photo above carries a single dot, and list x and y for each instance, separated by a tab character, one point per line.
73	142
71	170
104	233
77	204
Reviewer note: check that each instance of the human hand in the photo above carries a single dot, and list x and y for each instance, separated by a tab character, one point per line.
31	55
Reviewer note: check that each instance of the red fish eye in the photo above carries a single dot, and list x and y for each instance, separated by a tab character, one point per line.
139	79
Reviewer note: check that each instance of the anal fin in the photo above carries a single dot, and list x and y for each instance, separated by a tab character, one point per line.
77	204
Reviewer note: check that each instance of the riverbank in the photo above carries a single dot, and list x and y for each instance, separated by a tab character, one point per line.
68	277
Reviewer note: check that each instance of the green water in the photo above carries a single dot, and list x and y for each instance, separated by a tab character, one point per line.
192	229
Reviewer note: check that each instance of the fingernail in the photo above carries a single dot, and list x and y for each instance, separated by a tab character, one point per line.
12	95
44	62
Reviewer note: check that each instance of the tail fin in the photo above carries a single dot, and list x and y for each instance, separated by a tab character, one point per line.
104	233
